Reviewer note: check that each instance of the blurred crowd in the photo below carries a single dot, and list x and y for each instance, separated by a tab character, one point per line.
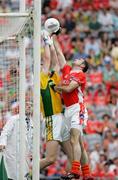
89	30
7	6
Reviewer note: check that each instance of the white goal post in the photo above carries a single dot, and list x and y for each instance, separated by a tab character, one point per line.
17	33
37	58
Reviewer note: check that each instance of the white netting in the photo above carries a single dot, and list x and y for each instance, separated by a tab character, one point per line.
11	26
9	76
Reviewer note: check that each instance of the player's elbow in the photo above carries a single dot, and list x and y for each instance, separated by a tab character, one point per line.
51	160
68	90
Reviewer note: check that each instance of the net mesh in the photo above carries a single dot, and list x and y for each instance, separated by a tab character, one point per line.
9	77
11	26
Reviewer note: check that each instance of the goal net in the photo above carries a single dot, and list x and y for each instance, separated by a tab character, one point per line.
11	25
16	43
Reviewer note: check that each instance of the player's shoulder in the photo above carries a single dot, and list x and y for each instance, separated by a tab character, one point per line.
66	68
80	77
43	74
53	74
79	73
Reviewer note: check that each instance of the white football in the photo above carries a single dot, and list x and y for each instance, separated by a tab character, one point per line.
52	25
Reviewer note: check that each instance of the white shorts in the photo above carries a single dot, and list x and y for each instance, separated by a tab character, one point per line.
72	115
56	128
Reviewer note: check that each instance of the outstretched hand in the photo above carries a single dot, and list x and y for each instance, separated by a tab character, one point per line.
2	148
46	37
57	88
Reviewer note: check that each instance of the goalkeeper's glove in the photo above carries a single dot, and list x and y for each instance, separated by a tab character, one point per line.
46	38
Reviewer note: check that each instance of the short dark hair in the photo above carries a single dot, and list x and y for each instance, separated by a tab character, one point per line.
86	66
58	31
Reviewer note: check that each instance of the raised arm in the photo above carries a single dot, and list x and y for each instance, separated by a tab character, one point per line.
46	54
46	58
79	79
73	85
60	55
54	59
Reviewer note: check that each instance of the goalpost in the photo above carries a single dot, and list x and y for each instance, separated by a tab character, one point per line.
12	33
37	57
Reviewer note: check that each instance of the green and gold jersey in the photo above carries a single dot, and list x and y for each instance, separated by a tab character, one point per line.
50	100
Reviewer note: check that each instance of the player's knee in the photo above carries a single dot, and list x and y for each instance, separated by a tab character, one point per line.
75	136
81	143
74	140
51	159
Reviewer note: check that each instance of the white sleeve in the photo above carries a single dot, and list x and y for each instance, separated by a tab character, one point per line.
7	131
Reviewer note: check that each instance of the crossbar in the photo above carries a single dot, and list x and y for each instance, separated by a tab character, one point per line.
6	39
14	14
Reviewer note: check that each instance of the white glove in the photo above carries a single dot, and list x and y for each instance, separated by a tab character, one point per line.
46	38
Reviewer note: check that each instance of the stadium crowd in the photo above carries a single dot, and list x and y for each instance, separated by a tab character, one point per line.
89	29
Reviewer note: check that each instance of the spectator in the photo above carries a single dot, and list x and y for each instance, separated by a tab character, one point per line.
115	117
88	97
95	77
113	147
114	4
95	156
8	143
98	4
115	19
116	166
79	50
53	4
82	23
105	19
92	44
105	43
106	172
98	172
69	22
64	4
99	97
94	25
114	54
108	71
4	8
